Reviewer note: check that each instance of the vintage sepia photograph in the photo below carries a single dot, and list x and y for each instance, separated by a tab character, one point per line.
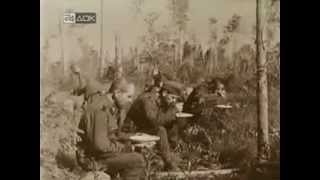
160	89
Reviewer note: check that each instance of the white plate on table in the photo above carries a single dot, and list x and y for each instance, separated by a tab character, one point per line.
183	115
223	106
142	137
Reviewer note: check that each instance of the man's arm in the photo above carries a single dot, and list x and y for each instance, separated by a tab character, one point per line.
102	141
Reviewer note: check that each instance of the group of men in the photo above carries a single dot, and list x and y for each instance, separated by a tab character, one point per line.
107	123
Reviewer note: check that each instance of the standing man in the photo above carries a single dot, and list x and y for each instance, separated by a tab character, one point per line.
100	142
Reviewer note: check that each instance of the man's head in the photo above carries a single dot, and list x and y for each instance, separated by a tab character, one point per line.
168	96
122	92
216	86
220	89
172	92
186	92
74	69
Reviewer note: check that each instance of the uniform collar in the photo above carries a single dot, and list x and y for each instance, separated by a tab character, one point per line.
113	108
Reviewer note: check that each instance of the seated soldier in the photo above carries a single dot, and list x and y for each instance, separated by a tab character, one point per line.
206	93
99	143
216	86
155	115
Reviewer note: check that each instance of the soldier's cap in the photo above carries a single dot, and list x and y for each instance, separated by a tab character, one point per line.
120	84
173	87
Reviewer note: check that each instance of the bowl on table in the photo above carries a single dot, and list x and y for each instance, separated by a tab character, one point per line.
183	115
223	106
143	137
183	119
142	140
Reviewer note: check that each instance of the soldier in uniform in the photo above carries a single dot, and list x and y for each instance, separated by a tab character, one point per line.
100	142
153	113
212	90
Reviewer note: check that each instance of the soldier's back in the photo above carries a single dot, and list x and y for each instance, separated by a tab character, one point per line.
139	108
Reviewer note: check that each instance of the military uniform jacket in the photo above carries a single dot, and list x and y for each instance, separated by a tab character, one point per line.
147	114
98	123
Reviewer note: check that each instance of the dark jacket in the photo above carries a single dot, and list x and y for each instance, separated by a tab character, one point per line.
148	114
202	97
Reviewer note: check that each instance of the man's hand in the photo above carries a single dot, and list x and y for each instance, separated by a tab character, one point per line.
179	106
123	136
102	92
221	94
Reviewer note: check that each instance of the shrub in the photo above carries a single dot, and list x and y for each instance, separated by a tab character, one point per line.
58	137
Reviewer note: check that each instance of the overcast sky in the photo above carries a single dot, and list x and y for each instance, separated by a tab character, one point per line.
119	17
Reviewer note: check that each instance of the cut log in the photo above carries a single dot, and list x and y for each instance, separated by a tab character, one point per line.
183	175
95	176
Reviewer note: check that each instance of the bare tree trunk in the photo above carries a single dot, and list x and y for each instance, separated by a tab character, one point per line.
192	57
216	65
176	55
180	46
64	66
101	69
105	63
137	60
116	51
122	53
234	54
211	61
214	47
118	67
262	91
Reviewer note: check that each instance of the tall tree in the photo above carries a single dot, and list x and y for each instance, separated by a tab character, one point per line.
179	14
44	57
117	57
230	31
64	66
262	84
213	58
150	39
150	20
101	70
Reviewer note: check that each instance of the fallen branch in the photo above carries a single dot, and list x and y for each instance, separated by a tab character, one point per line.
195	173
